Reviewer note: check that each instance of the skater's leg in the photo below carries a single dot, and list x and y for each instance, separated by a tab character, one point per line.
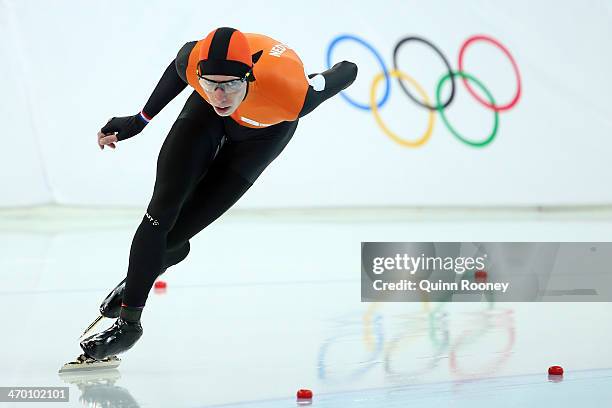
216	193
232	173
111	305
214	196
186	154
237	167
176	255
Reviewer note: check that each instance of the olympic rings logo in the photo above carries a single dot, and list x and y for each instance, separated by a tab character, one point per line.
423	100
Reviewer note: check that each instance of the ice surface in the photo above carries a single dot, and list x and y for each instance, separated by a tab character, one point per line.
263	307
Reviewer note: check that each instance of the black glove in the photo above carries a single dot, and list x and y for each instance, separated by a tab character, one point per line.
125	126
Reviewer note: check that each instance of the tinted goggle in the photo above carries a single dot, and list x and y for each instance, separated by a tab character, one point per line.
233	85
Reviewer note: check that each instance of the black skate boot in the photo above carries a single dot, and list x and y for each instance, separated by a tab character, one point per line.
111	305
120	337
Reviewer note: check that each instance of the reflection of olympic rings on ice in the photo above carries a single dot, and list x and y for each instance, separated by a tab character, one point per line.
326	370
468	80
437	332
377	350
385	341
504	320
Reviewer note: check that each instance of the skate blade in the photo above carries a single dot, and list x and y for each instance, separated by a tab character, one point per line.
91	326
83	363
90	378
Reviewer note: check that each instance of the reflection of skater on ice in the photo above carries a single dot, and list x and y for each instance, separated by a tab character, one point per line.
98	389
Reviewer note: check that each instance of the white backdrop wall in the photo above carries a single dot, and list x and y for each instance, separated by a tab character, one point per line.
68	66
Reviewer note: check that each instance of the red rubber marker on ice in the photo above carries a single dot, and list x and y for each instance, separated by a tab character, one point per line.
555	370
480	276
160	285
304	394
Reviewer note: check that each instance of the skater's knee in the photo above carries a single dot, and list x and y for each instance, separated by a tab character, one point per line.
166	203
161	216
152	220
175	244
184	251
176	254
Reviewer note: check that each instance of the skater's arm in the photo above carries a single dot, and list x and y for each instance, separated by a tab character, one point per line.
327	84
169	86
172	83
182	59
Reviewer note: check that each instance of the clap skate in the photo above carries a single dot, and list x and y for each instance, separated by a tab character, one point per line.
85	363
100	349
109	308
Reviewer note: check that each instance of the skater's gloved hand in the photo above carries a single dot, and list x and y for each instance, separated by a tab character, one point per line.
117	129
